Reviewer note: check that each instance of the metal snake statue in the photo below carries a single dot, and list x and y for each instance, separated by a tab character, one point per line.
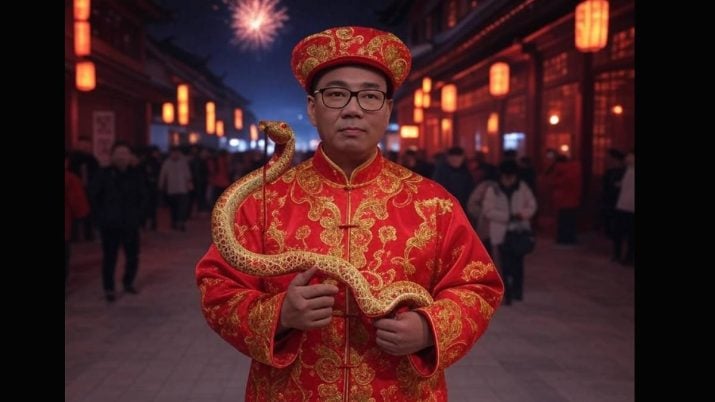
379	304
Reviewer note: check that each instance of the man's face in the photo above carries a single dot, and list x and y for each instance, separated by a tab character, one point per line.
121	156
455	161
351	132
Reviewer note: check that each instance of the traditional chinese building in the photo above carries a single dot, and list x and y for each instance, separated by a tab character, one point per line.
119	82
546	92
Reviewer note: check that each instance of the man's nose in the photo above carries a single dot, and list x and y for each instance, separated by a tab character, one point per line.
353	107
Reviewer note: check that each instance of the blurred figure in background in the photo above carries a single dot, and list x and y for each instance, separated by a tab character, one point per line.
566	198
615	168
413	160
509	207
84	164
475	208
150	168
76	207
454	175
118	198
175	182
625	210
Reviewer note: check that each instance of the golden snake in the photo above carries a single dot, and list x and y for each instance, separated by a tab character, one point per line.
381	303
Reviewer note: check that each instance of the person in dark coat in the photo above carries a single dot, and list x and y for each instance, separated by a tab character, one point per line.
454	175
118	198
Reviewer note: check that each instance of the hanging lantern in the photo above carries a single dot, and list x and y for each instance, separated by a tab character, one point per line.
82	38
194	137
418	98
418	115
407	131
254	132
167	112
210	117
219	128
446	125
238	118
426	84
493	123
449	98
182	97
426	100
85	76
591	27
81	10
499	79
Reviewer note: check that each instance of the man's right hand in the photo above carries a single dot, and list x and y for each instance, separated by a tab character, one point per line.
307	306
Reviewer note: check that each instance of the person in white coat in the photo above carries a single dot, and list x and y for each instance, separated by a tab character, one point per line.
509	207
625	213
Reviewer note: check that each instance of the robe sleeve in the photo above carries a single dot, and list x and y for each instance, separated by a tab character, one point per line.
238	307
467	291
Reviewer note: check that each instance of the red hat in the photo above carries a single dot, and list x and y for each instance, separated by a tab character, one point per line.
351	45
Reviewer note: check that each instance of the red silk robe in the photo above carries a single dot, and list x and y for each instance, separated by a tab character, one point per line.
390	223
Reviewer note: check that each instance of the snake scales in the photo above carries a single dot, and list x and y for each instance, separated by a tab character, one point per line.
377	304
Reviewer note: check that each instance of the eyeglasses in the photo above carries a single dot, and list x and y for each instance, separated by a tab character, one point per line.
369	100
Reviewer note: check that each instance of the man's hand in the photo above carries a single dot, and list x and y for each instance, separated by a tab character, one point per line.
407	333
307	306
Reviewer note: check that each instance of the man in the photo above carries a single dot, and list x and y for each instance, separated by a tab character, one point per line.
118	197
175	182
454	175
84	164
306	336
76	206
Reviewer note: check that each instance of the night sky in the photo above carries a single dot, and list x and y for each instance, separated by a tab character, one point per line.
264	77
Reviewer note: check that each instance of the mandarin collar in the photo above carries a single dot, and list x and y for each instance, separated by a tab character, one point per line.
363	174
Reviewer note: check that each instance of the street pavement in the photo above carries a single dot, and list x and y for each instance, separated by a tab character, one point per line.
570	339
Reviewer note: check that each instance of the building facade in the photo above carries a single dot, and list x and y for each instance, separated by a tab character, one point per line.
559	97
134	77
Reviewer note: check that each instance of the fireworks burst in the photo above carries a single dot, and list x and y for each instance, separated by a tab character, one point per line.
256	22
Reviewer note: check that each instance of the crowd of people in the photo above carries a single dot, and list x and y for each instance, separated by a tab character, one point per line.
114	203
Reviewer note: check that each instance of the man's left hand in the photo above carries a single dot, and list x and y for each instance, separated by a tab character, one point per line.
407	333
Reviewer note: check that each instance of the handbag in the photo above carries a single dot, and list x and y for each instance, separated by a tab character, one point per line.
519	241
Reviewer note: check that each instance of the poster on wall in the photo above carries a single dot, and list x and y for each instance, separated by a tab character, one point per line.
103	135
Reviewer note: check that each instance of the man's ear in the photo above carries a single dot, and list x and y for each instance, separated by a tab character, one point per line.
311	110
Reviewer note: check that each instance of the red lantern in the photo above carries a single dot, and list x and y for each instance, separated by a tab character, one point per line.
418	98
85	76
210	117
426	84
591	27
499	79
219	128
449	98
81	9
254	132
493	123
238	118
418	115
167	112
182	97
82	38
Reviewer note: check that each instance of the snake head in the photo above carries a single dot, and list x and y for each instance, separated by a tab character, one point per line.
278	131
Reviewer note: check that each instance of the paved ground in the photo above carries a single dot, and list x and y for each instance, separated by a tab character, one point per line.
571	339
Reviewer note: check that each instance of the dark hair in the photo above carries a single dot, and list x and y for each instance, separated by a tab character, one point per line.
120	143
455	150
616	154
508	167
321	73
